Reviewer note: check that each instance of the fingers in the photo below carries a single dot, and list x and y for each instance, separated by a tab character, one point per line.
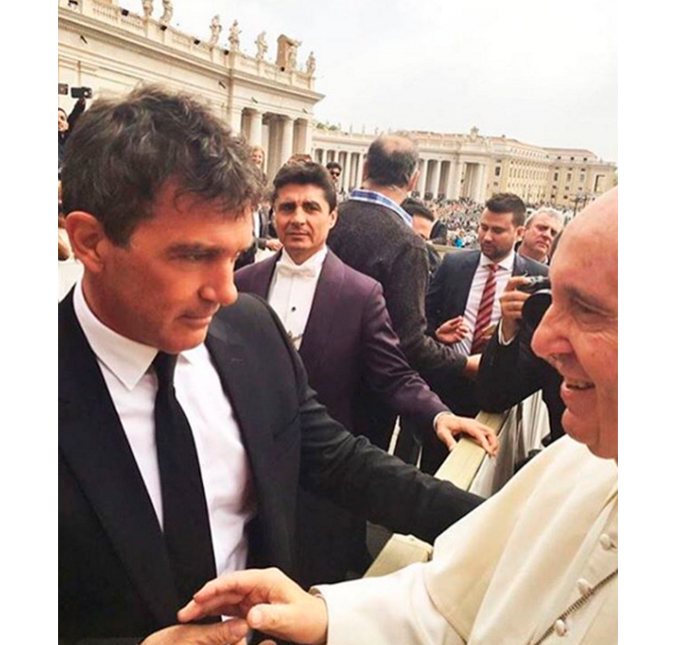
305	620
480	433
515	282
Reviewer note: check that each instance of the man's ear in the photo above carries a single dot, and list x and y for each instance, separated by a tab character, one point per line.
519	232
364	172
334	216
413	181
88	240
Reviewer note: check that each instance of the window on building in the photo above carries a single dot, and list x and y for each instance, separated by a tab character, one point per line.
555	176
571	158
582	177
498	171
569	176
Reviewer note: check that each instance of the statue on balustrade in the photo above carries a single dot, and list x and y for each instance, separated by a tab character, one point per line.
147	8
311	64
216	28
234	36
165	18
261	44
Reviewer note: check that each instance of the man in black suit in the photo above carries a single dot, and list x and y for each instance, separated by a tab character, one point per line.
185	431
463	300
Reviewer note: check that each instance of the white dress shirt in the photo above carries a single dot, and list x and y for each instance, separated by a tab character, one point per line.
292	292
126	368
480	277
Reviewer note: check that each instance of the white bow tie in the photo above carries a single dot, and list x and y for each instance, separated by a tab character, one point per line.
301	270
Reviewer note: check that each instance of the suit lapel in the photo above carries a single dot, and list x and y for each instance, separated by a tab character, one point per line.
322	313
465	279
93	443
260	276
237	371
519	267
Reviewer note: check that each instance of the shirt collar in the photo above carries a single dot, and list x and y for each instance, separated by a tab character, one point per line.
506	263
370	196
315	263
127	359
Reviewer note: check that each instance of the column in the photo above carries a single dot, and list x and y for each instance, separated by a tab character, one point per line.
286	137
455	176
422	181
359	170
235	119
302	141
255	137
273	163
435	177
347	171
479	183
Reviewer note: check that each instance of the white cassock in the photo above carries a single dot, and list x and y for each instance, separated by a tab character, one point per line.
506	572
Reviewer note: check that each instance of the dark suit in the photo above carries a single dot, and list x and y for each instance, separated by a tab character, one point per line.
510	373
348	345
447	298
114	573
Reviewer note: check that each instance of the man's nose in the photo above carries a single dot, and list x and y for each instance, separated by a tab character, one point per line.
219	287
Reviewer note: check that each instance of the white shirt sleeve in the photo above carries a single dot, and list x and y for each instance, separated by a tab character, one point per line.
385	610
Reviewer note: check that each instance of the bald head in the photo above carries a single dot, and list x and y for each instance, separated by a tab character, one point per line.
579	333
392	161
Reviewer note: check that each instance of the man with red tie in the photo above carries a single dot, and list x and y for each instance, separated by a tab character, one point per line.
462	303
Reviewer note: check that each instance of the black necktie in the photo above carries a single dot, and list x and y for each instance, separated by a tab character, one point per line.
187	532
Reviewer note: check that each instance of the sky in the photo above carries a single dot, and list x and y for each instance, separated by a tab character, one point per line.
539	71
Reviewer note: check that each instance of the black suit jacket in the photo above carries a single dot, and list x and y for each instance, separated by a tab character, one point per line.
447	298
348	349
114	573
510	373
450	287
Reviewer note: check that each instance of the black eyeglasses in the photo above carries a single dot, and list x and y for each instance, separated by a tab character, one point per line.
335	173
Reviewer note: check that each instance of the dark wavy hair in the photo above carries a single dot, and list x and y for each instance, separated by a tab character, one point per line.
125	150
303	174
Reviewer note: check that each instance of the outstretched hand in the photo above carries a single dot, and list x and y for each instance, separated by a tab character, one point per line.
269	601
452	331
448	426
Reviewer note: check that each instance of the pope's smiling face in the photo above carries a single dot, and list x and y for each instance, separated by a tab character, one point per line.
579	334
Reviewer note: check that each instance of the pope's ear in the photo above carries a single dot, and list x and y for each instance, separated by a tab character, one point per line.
88	239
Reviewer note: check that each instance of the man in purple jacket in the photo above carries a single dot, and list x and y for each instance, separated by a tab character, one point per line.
338	321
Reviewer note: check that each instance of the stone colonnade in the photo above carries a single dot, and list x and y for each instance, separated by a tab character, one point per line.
351	162
438	177
452	179
280	135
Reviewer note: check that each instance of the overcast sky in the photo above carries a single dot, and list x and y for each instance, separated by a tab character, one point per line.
539	71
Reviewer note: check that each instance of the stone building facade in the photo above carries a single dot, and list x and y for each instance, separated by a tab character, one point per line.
454	166
111	50
271	102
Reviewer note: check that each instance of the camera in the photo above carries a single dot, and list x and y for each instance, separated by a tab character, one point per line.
536	305
81	92
535	283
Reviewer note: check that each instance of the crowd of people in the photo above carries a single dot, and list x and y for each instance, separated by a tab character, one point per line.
232	364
